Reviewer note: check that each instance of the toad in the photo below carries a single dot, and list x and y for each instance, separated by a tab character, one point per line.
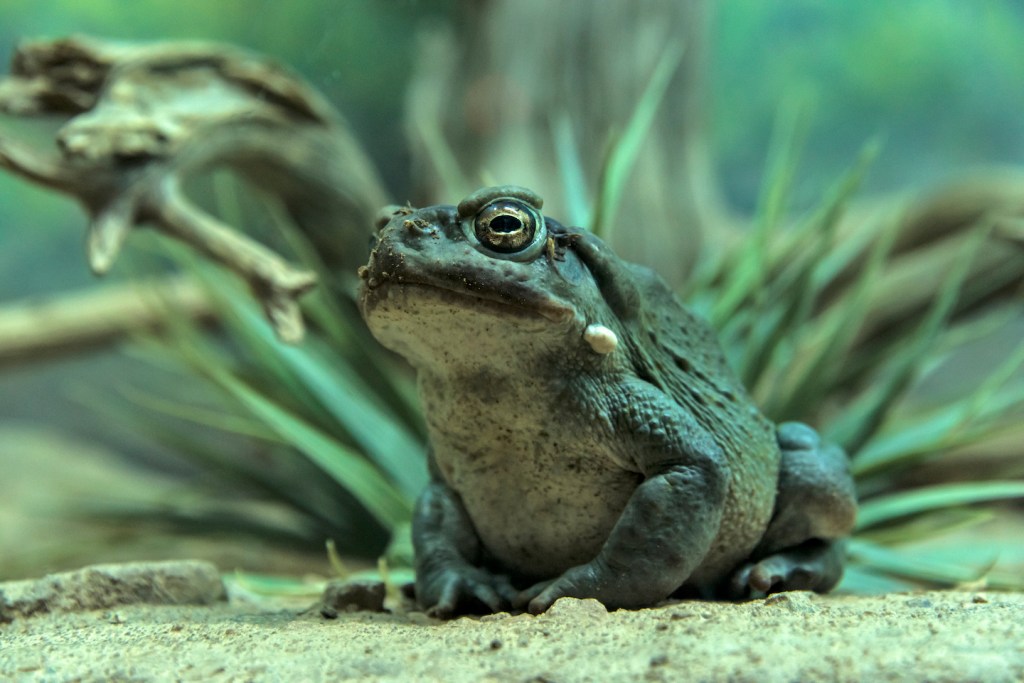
587	437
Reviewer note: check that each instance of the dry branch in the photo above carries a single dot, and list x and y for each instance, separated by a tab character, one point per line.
70	323
143	118
933	231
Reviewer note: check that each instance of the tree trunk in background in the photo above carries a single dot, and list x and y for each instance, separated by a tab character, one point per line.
502	84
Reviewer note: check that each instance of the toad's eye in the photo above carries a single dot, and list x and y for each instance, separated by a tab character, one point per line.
508	226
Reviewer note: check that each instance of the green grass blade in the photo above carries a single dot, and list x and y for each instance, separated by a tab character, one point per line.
441	156
745	276
986	394
884	509
928	526
205	416
267	585
347	468
913	567
855	243
577	200
383	439
358	477
425	121
399	552
330	313
825	218
624	151
331	392
861	420
343	395
861	580
825	346
797	282
943	429
260	478
988	410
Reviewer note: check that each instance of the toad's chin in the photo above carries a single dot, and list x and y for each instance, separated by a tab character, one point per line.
431	325
417	298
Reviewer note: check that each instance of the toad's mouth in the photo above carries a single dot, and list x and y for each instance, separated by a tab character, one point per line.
408	294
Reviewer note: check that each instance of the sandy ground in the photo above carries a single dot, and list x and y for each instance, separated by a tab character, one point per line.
50	630
171	622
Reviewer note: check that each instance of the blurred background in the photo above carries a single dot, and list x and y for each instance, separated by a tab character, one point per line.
938	82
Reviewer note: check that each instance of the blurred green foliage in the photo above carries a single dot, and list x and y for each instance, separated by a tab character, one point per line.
940	79
311	404
937	77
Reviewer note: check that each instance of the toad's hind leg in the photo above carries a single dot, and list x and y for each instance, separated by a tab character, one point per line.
815	509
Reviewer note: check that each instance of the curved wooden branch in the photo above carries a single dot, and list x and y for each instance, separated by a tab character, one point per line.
933	230
275	283
42	169
74	322
143	118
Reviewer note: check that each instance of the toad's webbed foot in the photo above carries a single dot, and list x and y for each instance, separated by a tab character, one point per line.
584	581
815	566
815	508
618	586
460	588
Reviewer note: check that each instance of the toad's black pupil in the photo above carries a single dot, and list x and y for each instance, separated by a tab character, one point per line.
506	224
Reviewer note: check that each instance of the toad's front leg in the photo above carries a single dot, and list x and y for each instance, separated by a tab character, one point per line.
661	537
666	528
448	580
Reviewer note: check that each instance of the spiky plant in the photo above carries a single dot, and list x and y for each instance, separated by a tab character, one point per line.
793	302
802	306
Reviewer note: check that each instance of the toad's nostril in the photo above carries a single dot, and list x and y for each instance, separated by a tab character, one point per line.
419	226
385	215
